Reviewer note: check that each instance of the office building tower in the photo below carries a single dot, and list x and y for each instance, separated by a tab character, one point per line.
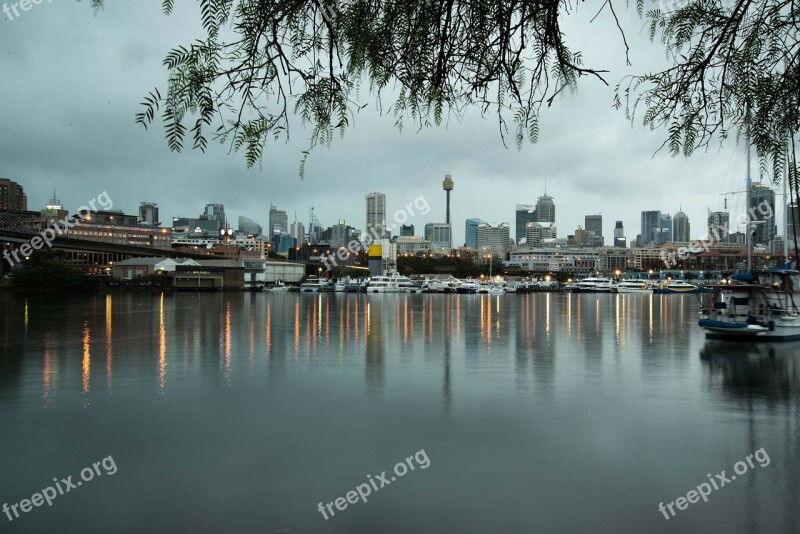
525	214
665	234
545	209
619	235
278	221
594	223
651	227
680	228
376	214
12	196
539	234
718	226
494	237
148	214
762	211
471	233
407	230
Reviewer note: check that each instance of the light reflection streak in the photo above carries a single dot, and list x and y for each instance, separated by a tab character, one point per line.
162	345
228	340
46	370
109	344
86	365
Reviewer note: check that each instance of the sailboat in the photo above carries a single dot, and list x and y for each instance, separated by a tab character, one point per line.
761	304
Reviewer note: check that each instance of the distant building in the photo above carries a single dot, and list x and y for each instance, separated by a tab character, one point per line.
525	214
545	209
412	245
619	235
407	230
539	234
148	214
680	228
120	229
471	235
494	237
761	196
298	231
651	227
215	212
793	220
438	234
376	214
594	223
12	196
278	221
248	226
665	235
718	225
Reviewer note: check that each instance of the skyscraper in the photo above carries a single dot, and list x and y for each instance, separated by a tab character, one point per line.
12	196
619	235
680	228
718	225
545	209
438	234
494	236
762	210
537	234
376	214
651	227
665	234
526	213
594	223
298	231
215	212
471	239
148	214
793	220
278	221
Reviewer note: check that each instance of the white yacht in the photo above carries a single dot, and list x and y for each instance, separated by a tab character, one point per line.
593	284
314	284
279	287
634	286
392	283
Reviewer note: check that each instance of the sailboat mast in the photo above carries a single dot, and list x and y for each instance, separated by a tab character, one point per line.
747	206
786	204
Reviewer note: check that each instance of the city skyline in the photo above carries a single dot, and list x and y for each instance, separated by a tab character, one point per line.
571	164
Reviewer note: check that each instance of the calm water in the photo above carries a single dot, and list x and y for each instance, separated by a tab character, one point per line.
538	413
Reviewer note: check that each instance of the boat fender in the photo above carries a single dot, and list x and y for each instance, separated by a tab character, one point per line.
771	326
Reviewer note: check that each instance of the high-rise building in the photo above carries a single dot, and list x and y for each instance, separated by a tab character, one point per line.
680	228
718	225
494	237
545	209
594	223
438	234
538	234
148	214
407	230
471	234
651	227
619	235
526	213
762	210
215	212
665	233
793	221
278	221
248	226
376	214
12	196
298	231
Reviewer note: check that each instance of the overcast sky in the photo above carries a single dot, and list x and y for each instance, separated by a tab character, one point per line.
72	81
